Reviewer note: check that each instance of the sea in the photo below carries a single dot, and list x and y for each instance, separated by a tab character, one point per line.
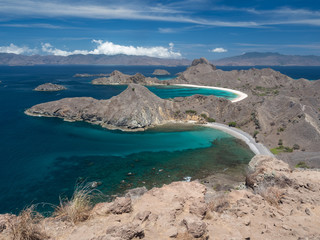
43	159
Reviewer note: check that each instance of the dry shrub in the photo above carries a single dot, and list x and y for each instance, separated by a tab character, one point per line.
26	226
219	203
272	195
78	208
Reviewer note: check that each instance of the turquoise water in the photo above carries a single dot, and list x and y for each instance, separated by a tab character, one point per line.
42	158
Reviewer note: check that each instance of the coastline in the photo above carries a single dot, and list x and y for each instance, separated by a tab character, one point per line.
257	148
240	95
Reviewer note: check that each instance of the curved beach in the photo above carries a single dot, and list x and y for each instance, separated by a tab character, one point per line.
255	147
240	95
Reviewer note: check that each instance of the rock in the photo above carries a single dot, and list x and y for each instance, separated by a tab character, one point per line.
160	72
142	216
95	184
198	208
136	192
50	87
126	232
172	232
195	227
101	209
121	205
307	211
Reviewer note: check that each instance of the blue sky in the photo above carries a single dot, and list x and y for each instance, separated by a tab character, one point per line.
175	29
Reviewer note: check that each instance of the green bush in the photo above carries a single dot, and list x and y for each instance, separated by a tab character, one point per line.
232	124
209	119
192	112
280	143
296	147
203	115
302	165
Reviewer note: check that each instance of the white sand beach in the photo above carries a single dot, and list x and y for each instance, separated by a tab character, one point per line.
240	95
255	147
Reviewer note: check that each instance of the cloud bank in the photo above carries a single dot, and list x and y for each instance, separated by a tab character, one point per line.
219	50
16	50
109	48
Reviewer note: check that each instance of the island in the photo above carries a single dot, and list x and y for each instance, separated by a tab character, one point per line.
118	78
85	75
49	87
160	72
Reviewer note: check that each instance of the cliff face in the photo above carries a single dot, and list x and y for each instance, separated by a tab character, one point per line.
275	203
134	108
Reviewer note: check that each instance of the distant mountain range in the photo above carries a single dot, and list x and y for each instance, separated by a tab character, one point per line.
247	59
268	59
121	59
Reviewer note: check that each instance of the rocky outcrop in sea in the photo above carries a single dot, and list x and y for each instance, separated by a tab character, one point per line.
50	87
160	72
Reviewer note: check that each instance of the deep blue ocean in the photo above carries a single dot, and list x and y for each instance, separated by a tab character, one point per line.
44	158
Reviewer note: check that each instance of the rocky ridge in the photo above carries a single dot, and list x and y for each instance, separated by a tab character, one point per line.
118	78
277	202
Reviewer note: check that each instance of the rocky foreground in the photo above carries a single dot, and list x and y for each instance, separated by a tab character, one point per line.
277	203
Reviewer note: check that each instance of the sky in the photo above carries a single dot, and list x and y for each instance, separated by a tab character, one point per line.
167	29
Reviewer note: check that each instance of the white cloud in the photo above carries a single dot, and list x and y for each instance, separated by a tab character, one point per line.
17	50
48	48
109	48
219	50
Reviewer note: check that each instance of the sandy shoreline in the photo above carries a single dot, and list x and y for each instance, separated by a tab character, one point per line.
255	147
240	95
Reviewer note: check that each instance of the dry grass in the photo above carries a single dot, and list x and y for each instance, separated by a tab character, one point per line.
26	226
219	203
78	208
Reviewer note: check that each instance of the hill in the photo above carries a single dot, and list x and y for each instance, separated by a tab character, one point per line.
268	59
90	59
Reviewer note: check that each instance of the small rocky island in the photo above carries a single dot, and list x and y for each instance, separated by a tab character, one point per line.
49	87
119	78
160	72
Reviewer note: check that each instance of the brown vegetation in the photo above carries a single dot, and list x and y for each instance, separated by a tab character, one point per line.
26	226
